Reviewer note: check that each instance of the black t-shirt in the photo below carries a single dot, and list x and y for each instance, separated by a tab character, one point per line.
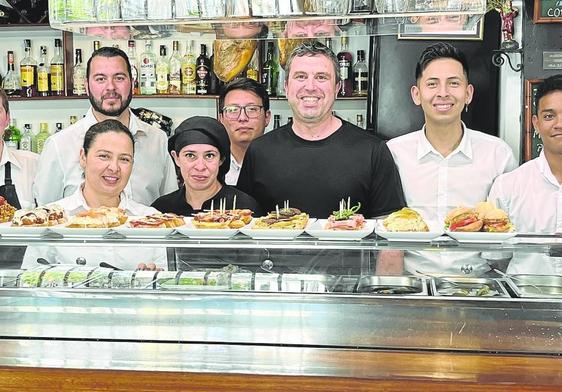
315	175
175	202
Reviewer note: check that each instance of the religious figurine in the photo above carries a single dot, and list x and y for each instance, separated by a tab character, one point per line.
507	14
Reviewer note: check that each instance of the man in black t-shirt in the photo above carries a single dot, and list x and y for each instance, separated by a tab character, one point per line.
319	159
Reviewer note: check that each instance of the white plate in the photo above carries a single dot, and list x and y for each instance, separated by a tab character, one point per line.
196	233
6	229
78	232
480	236
274	234
142	232
317	229
409	236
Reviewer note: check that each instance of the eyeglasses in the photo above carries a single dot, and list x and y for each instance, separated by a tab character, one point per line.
232	112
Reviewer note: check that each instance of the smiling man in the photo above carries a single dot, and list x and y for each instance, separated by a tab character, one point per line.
245	114
110	91
318	159
446	164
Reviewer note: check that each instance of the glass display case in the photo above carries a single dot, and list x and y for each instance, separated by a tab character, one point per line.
239	293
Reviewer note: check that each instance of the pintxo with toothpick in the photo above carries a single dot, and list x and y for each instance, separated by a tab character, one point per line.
222	218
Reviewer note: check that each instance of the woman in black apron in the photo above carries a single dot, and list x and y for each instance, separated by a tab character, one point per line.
10	256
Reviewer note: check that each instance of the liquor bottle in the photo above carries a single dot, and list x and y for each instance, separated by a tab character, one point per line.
147	80
26	142
11	82
345	59
12	135
41	137
252	71
276	121
360	75
132	54
58	127
57	70
360	122
188	70
28	72
202	75
175	69
72	120
78	75
162	72
43	74
270	72
96	45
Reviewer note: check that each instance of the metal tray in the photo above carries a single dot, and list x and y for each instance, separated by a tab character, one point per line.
306	283
345	284
392	285
468	287
536	286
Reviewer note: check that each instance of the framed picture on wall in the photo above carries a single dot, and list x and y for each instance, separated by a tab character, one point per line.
442	27
532	144
547	11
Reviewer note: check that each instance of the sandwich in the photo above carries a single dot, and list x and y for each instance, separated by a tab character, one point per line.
346	218
102	217
463	219
405	219
481	208
222	219
497	221
284	218
159	220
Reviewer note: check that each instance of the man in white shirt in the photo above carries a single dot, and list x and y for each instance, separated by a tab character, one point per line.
446	164
109	89
532	194
244	112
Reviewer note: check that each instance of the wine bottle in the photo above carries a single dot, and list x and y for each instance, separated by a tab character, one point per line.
270	71
203	77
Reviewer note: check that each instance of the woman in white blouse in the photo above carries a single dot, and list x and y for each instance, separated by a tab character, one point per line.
106	158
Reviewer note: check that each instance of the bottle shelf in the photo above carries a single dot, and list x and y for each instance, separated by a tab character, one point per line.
66	97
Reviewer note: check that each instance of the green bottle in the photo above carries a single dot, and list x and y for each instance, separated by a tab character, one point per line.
41	137
12	135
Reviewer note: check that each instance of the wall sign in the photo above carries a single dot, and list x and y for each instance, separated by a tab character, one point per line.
552	60
548	11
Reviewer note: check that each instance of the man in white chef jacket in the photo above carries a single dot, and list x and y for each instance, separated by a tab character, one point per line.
532	194
109	87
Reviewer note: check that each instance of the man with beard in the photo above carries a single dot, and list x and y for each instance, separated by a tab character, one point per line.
109	89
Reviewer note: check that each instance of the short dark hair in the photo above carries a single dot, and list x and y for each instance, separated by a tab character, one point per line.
4	99
312	48
108	51
104	127
440	50
549	85
245	84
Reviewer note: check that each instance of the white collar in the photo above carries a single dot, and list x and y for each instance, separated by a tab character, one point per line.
8	156
133	121
464	147
234	163
545	170
78	201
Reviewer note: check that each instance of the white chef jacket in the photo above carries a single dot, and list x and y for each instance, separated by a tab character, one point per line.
124	257
434	184
231	178
532	197
60	174
24	168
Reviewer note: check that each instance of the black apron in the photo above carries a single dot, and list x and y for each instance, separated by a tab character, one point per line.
10	256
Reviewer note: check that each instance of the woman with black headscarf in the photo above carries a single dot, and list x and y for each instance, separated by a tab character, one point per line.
201	149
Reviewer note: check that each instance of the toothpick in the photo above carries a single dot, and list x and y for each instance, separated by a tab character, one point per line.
348	202
212	206
234	203
277	210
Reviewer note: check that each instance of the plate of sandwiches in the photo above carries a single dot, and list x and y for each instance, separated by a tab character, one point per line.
286	223
35	221
484	223
344	224
216	224
407	225
94	222
159	225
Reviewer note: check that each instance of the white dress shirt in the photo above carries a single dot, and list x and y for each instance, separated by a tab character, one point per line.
59	173
231	178
126	257
434	184
532	197
24	168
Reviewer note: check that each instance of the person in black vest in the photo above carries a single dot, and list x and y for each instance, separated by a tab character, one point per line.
17	171
201	149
